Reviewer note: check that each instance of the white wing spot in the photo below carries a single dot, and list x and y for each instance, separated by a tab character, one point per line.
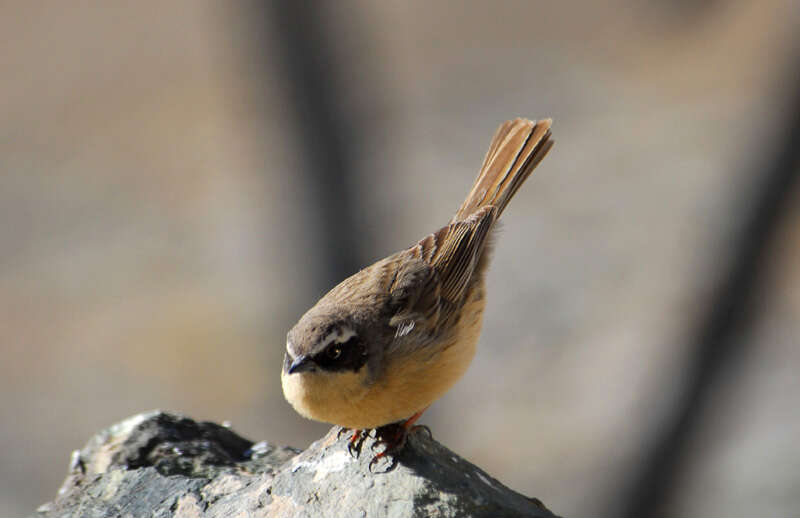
404	328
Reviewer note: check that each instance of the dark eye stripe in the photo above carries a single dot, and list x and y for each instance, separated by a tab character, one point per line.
349	356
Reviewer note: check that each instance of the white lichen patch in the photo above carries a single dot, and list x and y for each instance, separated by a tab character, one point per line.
331	464
300	465
259	449
124	428
485	480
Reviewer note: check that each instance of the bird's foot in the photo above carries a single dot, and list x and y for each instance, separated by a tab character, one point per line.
392	437
356	442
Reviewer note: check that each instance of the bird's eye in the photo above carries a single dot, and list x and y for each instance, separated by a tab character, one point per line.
334	352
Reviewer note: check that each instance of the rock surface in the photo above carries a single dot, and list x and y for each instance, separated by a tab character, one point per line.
162	465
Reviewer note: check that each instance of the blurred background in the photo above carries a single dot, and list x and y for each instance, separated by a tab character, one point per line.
180	181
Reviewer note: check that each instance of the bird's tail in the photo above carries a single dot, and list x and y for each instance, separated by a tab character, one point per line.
516	149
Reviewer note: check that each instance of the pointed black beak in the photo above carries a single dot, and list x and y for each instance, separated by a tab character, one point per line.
302	363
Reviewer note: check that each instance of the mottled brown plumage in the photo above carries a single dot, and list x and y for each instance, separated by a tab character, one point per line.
391	339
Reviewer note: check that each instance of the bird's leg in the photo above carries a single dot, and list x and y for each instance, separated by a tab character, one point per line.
413	419
410	426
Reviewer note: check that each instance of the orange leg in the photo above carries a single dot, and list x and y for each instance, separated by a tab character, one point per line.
356	436
413	419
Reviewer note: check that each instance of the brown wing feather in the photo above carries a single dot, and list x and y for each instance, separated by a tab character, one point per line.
459	252
434	277
430	284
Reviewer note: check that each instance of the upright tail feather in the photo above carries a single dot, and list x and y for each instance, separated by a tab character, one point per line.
516	149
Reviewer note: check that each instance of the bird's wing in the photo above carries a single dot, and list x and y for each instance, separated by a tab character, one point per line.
433	277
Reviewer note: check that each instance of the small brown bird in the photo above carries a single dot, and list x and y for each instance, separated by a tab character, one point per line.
385	343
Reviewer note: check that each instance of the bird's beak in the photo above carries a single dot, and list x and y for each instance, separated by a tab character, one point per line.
302	363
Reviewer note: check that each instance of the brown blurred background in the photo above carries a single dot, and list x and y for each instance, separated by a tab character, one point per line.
161	226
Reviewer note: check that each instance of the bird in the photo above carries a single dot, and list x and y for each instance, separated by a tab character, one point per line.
380	347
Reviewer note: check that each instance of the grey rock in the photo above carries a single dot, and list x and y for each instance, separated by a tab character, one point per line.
166	465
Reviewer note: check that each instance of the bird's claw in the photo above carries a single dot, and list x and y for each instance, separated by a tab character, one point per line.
356	442
374	462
